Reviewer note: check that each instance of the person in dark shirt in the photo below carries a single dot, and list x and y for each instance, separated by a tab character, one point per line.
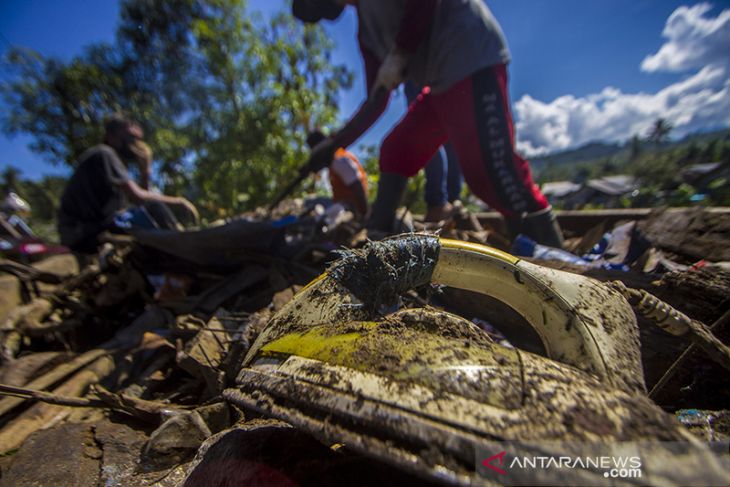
456	51
100	187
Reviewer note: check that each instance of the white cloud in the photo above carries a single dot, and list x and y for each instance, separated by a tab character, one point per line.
694	41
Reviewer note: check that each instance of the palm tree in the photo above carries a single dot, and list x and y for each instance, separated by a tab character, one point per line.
10	179
635	147
659	132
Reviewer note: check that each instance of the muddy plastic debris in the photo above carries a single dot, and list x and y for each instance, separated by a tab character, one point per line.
243	300
423	390
711	426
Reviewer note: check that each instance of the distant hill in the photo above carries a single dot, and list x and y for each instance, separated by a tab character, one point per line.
595	152
588	152
705	136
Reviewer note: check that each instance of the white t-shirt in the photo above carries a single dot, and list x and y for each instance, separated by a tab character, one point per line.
346	169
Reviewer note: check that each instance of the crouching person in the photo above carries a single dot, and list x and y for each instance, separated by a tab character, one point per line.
101	196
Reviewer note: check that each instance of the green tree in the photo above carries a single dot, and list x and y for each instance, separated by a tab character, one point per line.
271	82
164	80
10	180
225	97
659	132
60	104
44	197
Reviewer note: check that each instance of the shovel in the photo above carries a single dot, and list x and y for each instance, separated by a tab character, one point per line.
356	125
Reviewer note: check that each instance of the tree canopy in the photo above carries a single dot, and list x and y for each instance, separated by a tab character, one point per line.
225	96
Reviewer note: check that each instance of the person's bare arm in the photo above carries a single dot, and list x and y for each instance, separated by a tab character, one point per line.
139	195
350	133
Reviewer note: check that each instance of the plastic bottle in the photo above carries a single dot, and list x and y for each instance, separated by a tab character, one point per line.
526	247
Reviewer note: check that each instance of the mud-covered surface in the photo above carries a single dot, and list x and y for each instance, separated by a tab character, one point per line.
411	346
695	233
615	334
434	349
381	271
592	412
702	294
417	428
67	456
431	383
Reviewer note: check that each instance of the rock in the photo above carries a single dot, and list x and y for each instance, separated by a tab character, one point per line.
178	438
216	416
121	446
63	456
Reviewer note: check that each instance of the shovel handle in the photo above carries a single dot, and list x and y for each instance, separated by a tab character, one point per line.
356	125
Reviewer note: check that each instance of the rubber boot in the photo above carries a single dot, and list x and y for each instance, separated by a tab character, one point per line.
543	228
391	188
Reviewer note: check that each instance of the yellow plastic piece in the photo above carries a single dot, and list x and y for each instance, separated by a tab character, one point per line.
314	344
449	244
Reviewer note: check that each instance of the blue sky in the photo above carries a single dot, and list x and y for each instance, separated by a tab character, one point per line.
581	71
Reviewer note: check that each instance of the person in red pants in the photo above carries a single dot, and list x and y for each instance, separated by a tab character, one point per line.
456	49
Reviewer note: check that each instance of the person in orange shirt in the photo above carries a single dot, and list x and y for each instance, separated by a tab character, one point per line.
347	177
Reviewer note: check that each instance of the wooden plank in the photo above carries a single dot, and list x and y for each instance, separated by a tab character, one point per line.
63	265
56	375
127	337
580	221
42	415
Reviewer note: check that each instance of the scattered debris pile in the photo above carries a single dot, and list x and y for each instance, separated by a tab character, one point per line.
115	374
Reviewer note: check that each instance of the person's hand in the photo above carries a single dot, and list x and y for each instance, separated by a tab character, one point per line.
142	152
321	156
392	72
190	208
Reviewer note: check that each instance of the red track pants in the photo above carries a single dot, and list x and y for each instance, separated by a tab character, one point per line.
473	115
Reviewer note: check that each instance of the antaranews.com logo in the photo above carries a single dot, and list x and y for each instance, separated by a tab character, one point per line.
612	467
569	464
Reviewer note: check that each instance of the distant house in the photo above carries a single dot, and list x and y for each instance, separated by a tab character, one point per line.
557	191
700	175
606	191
